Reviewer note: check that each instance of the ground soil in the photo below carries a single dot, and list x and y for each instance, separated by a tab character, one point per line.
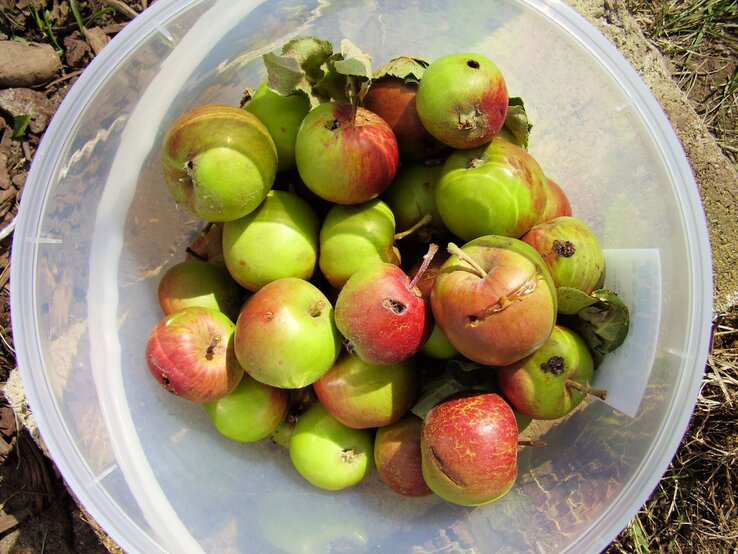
37	511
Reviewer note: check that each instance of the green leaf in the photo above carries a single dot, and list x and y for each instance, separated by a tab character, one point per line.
516	120
571	300
406	68
20	125
299	67
434	393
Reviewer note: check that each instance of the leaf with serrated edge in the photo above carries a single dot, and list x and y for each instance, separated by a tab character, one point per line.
516	120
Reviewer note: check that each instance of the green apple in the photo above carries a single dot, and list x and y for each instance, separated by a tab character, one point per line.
285	335
251	412
219	161
281	115
412	197
354	237
278	239
462	99
329	454
496	189
197	283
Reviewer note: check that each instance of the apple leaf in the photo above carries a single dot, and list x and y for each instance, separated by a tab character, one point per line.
435	392
603	324
517	121
356	66
299	67
406	68
571	300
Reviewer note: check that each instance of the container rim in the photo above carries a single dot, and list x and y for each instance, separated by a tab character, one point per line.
27	240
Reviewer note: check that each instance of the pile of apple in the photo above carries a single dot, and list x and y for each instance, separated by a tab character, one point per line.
386	277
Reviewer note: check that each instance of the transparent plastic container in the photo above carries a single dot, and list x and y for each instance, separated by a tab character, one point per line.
97	228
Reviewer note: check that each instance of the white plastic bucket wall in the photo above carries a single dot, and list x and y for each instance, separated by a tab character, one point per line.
97	228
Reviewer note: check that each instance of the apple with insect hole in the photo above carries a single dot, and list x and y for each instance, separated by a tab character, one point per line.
554	380
191	354
382	314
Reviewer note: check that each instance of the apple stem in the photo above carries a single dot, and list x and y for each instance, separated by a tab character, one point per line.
211	347
599	393
425	220
459	253
427	259
533	443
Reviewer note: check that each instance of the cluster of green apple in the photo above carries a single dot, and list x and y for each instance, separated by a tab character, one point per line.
316	310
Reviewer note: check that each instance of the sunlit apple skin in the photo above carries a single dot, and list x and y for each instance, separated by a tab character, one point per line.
557	202
571	251
363	395
329	454
353	237
198	283
281	115
499	183
278	239
397	456
383	320
502	317
285	335
393	100
190	353
469	449
462	99
536	386
219	161
251	412
344	158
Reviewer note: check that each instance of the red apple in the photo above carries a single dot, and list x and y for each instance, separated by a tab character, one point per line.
383	315
345	155
363	395
190	353
469	448
397	456
495	300
393	99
